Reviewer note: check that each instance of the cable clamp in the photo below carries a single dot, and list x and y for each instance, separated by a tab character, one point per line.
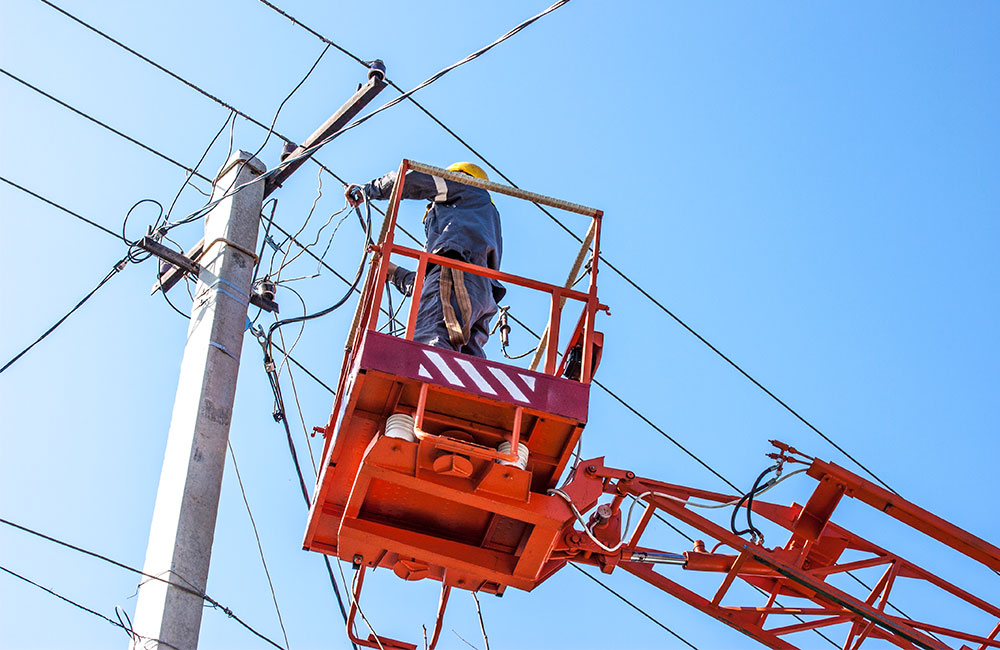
223	240
220	346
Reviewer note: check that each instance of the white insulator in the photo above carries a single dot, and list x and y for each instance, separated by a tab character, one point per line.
400	425
522	454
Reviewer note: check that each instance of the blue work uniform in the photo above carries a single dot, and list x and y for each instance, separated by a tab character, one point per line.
461	223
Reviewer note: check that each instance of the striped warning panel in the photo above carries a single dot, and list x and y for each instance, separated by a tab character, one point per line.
489	379
464	373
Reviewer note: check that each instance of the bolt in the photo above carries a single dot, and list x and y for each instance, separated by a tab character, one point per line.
591	469
575	538
629	476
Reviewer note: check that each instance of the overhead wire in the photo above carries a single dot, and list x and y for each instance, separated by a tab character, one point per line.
610	265
261	177
256	534
94	120
306	153
193	171
635	607
63	208
226	105
190	590
279	416
115	269
482	625
187	179
127	628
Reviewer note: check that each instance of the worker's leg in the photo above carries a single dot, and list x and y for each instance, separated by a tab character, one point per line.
431	328
484	308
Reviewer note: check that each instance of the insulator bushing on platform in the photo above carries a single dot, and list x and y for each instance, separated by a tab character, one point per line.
522	454
400	425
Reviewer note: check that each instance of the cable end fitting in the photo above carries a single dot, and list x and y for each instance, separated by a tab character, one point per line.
376	69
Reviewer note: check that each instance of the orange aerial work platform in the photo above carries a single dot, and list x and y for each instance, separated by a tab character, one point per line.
436	464
444	466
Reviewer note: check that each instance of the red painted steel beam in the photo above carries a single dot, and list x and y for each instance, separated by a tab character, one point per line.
843	599
910	514
736	619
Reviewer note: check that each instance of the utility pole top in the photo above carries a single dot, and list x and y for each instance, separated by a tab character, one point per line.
239	157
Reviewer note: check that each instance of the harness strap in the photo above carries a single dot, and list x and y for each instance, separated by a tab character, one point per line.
450	279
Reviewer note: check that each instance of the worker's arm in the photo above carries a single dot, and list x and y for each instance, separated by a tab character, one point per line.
401	278
418	186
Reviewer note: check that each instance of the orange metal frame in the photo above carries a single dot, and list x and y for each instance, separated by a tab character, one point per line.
799	570
414	505
374	287
449	506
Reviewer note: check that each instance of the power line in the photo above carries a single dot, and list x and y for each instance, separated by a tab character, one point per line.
640	415
225	105
260	547
211	601
119	266
63	208
474	55
614	268
179	78
128	629
193	172
92	119
635	607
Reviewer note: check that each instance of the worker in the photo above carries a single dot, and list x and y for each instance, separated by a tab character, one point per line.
461	223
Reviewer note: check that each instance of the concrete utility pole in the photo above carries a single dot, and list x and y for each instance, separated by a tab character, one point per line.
180	538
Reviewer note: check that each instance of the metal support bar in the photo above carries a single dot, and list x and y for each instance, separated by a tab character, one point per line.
490	186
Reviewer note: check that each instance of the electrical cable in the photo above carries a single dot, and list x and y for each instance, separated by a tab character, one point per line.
298	337
460	638
64	209
312	209
270	130
635	607
187	179
260	547
334	306
117	268
184	167
94	120
482	626
295	396
643	417
316	241
756	537
307	371
279	416
127	628
194	592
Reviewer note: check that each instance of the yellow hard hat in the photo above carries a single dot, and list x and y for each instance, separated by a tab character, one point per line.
472	169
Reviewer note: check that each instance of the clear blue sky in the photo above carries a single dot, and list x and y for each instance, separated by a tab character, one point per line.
813	187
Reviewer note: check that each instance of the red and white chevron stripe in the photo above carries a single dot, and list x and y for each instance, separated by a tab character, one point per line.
476	376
